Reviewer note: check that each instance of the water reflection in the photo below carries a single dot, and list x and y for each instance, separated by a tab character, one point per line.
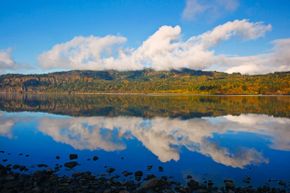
165	137
6	126
184	107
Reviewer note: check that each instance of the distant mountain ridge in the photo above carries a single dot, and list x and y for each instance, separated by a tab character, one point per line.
183	81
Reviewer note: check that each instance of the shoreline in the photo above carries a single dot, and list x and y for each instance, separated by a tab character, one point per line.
140	94
47	180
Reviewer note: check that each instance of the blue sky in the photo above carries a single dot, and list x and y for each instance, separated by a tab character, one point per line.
30	28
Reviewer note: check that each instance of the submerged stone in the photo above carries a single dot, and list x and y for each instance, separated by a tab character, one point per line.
126	173
139	173
150	184
111	170
42	165
192	184
149	176
229	184
19	167
73	156
71	164
149	167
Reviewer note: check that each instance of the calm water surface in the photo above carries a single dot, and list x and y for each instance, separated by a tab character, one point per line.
213	137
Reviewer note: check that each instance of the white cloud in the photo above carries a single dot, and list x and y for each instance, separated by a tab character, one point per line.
8	64
165	50
213	8
82	52
242	28
6	61
230	5
192	9
276	60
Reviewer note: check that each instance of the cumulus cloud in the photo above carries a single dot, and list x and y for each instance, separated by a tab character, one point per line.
195	8
192	8
9	65
166	50
6	61
82	52
277	60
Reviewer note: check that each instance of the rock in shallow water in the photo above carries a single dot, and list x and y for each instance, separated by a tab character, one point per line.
160	169
139	173
111	170
229	184
152	183
126	173
47	181
149	167
71	164
42	165
73	156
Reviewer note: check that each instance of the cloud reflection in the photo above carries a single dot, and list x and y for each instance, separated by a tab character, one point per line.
164	137
6	126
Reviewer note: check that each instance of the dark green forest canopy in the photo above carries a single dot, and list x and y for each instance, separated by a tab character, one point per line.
148	81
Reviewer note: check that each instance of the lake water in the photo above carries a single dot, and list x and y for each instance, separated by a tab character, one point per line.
208	137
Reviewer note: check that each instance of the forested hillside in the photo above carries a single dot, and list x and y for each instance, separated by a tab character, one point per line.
147	81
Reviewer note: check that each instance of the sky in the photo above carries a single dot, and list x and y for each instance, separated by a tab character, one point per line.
246	36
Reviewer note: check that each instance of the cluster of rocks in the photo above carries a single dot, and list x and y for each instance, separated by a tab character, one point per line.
47	181
18	178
